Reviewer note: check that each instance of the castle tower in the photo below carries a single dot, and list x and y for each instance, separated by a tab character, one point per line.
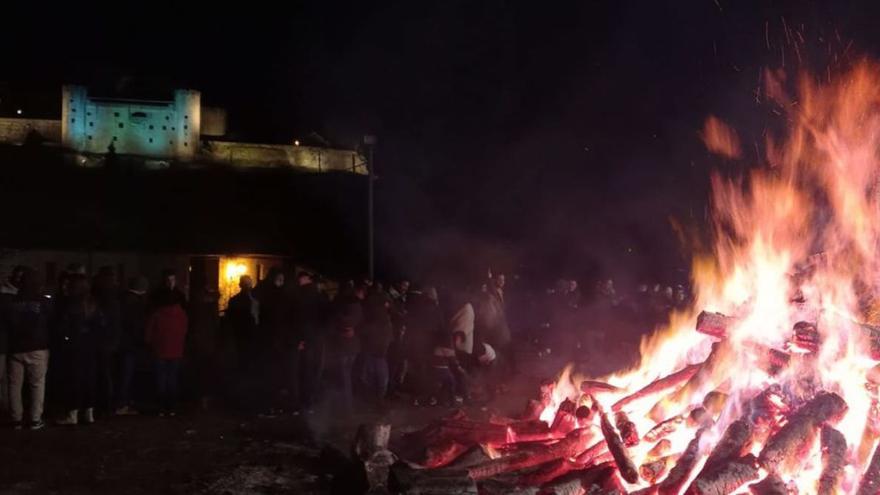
188	111
73	116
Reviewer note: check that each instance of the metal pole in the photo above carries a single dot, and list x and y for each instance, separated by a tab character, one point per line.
371	234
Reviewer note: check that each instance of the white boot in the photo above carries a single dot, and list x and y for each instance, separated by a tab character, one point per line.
89	416
69	419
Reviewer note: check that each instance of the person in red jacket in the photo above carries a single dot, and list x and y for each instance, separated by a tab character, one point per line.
165	335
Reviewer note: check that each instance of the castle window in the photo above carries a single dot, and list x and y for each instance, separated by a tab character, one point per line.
121	125
170	142
90	137
88	114
174	128
72	120
167	118
164	128
186	117
185	127
151	140
185	143
151	127
114	138
73	110
116	114
91	124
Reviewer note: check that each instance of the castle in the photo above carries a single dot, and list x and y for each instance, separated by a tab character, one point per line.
160	131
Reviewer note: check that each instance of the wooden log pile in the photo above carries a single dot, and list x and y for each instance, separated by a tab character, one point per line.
673	436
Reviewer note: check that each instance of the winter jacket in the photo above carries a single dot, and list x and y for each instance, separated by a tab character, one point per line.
133	321
28	323
307	312
166	331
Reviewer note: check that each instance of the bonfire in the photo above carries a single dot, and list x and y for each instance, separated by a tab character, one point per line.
769	384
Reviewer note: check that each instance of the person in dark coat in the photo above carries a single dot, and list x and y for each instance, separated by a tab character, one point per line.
78	333
343	345
106	296
204	343
28	323
274	300
376	334
308	312
133	324
243	316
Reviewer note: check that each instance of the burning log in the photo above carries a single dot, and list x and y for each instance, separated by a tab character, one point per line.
565	420
872	334
628	432
601	477
870	484
442	453
658	386
699	417
709	373
584	414
714	402
833	460
618	451
549	472
660	449
572	445
771	485
592	387
726	477
664	428
445	482
714	324
655	470
795	438
805	339
734	443
681	472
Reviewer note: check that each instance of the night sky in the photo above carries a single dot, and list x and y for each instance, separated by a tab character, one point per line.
565	131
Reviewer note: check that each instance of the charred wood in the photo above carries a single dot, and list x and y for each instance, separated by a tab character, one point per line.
771	485
659	449
655	470
870	483
714	324
796	437
726	477
660	385
734	443
664	428
572	445
833	460
681	472
618	451
628	432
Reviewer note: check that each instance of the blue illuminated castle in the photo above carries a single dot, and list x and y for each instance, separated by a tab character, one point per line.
150	128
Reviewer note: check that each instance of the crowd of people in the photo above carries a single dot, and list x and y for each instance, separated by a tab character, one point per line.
102	350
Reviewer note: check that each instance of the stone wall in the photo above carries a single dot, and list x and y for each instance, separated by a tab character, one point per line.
279	155
15	131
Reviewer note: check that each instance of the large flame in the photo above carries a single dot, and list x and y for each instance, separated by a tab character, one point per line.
795	240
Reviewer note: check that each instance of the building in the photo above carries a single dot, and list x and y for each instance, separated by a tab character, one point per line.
178	129
155	129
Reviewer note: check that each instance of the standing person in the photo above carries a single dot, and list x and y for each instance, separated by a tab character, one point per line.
77	339
8	291
376	334
133	325
28	322
462	318
243	315
424	323
343	344
270	349
165	335
106	297
398	364
203	343
491	319
308	312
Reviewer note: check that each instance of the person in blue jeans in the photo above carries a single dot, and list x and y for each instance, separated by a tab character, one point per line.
376	334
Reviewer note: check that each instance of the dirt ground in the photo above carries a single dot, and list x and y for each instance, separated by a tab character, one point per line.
217	452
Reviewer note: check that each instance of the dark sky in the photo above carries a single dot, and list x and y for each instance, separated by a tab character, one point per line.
566	129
